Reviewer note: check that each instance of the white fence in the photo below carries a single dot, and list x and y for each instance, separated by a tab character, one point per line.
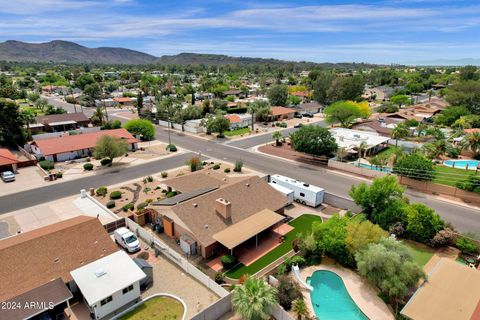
344	166
224	305
176	258
50	135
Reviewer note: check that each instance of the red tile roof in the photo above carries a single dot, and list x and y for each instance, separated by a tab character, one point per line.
278	111
122	99
6	157
301	93
68	143
233	118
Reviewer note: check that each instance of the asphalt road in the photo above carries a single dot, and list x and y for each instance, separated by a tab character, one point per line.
462	217
52	192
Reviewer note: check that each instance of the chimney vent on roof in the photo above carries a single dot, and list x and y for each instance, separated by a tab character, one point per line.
56	259
224	208
247	184
100	273
195	205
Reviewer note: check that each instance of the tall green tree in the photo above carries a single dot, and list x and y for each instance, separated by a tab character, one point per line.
278	95
314	140
399	132
141	127
109	147
11	124
378	196
254	299
423	223
260	110
389	266
342	112
299	307
217	123
361	234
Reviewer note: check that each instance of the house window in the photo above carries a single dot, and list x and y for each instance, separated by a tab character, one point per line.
105	301
302	194
128	289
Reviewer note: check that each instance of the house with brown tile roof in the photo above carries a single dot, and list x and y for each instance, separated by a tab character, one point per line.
208	214
59	122
281	113
68	147
30	261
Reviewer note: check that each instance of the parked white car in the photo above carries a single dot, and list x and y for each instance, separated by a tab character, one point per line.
8	176
127	239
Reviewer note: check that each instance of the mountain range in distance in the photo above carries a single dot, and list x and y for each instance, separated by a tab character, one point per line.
59	51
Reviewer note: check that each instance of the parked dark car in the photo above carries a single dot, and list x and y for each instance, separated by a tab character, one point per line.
308	114
298	115
298	125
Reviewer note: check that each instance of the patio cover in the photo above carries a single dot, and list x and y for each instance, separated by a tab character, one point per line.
451	292
54	292
247	228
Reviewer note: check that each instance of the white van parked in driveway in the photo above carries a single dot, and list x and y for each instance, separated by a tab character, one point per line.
127	239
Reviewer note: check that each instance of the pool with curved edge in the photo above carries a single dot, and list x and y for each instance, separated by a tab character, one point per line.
330	298
462	164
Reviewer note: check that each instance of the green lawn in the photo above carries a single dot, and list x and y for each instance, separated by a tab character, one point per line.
37	111
236	132
420	252
390	150
156	308
302	224
450	176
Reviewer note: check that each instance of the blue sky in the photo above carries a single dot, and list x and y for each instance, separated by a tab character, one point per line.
382	31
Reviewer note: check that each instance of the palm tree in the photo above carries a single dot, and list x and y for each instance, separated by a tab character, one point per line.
473	141
399	132
98	116
277	135
258	109
300	308
342	153
254	299
361	149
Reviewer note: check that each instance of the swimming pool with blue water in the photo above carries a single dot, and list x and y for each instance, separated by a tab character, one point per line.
330	298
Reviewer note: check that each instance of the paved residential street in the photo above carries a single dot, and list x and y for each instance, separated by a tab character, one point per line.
462	217
37	196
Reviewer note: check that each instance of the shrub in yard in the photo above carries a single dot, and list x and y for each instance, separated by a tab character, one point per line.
164	174
291	261
115	195
141	205
110	204
128	206
164	191
105	162
443	238
59	175
227	170
47	165
227	261
238	166
194	163
171	194
288	291
88	166
149	179
466	245
102	191
171	148
216	167
219	277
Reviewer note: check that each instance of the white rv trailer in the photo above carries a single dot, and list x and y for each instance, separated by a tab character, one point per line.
303	193
285	191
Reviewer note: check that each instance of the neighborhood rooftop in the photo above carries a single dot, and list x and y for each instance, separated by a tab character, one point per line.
103	277
83	141
31	259
247	197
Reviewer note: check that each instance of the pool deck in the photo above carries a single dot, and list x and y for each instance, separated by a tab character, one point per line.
362	293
